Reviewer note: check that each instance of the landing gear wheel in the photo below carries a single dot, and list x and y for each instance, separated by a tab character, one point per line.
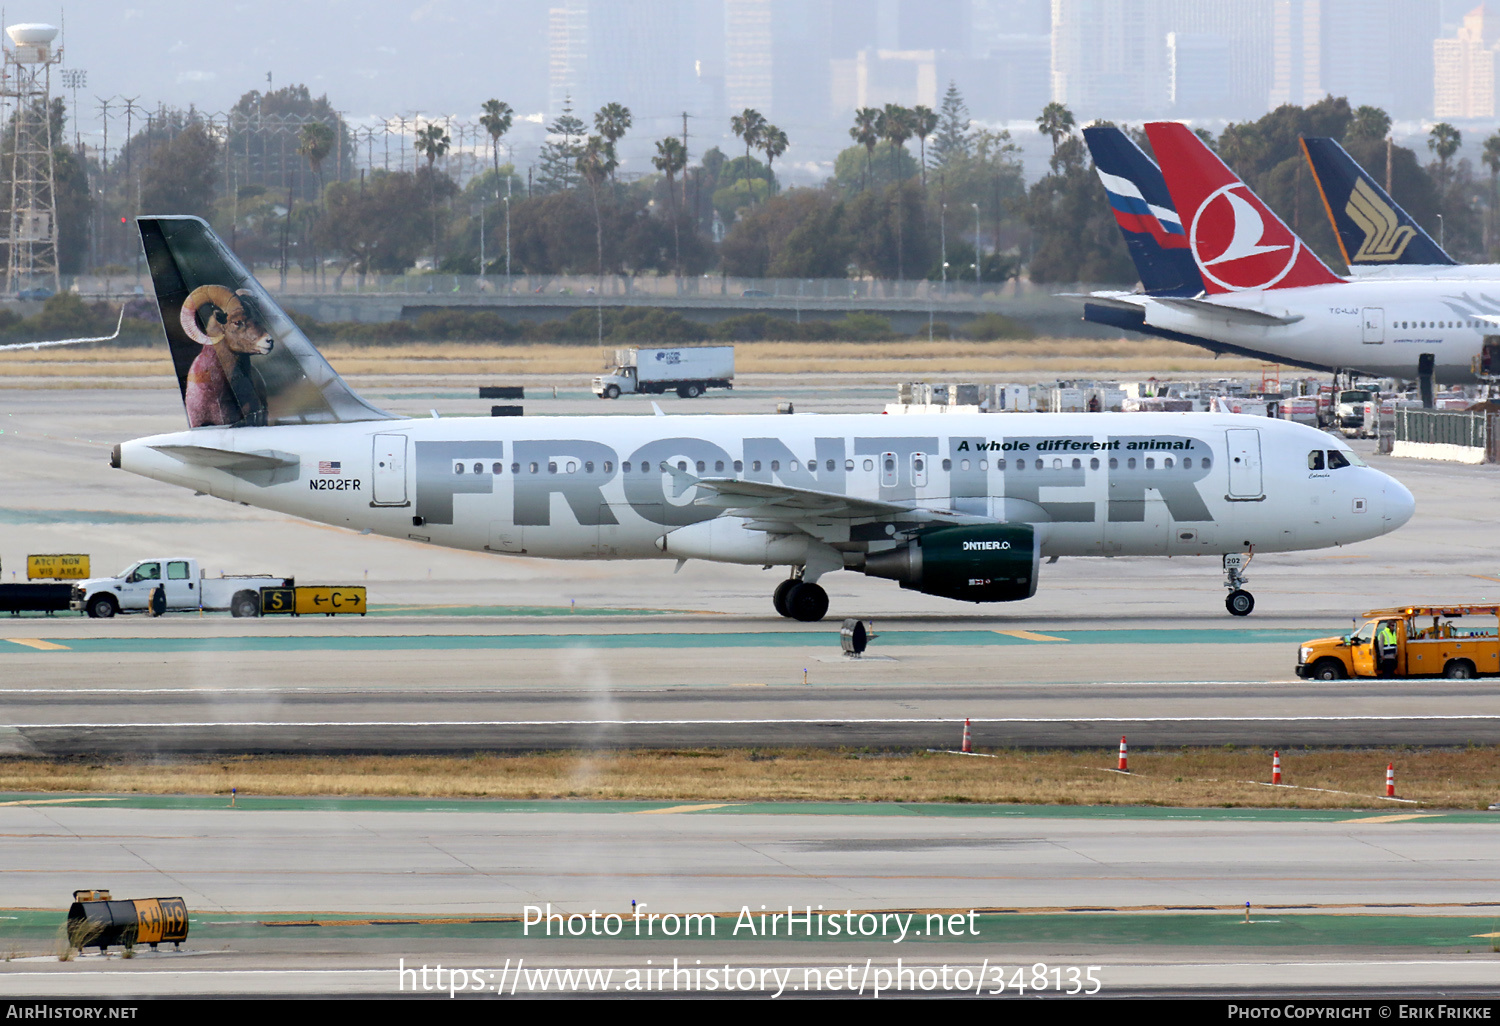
1239	602
807	602
611	391
778	597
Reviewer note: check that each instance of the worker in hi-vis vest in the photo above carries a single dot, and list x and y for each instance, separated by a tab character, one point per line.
1385	648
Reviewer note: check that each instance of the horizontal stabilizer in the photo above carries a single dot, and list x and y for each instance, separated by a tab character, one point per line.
227	459
1223	311
68	341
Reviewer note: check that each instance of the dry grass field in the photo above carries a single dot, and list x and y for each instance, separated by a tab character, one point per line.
909	360
1218	777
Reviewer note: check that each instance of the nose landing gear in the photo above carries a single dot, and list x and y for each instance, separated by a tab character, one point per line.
1239	602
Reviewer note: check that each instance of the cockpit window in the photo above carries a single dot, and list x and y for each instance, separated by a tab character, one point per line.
1315	460
1336	459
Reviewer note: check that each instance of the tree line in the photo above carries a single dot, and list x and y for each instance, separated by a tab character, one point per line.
957	209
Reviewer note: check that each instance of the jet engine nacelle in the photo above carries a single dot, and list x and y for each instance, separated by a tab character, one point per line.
988	563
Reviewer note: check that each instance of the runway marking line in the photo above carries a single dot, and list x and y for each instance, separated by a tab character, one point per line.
46	646
1483	577
1398	818
1030	636
682	808
60	801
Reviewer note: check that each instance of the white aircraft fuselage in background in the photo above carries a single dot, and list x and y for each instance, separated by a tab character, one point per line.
1375	325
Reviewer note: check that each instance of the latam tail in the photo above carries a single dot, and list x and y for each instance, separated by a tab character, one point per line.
1372	230
1238	244
1143	209
240	360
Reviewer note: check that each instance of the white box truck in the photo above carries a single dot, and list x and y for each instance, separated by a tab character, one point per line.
687	370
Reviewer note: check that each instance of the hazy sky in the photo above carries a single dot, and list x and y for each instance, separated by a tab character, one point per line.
369	56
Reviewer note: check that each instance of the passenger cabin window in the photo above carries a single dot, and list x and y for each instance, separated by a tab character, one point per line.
918	469
1315	460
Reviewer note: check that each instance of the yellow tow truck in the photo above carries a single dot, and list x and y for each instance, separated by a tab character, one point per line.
1437	649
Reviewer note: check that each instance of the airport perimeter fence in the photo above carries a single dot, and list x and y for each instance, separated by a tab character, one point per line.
780	291
1466	429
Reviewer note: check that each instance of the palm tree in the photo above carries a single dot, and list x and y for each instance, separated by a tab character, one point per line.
596	163
496	120
773	142
1056	122
1491	160
924	123
1444	140
866	133
1369	123
896	123
316	143
748	124
671	157
613	120
432	142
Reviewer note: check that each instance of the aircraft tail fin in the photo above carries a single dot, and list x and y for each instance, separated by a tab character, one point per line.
1143	209
1237	242
240	360
1372	230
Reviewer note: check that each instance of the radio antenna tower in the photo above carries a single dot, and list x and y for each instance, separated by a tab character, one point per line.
31	217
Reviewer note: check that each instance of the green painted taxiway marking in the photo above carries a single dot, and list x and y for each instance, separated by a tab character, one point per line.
946	810
23	929
460	610
595	640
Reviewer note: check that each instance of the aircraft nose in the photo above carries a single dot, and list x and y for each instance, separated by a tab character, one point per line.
1399	504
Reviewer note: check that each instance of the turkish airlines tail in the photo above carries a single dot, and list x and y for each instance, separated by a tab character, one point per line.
1238	244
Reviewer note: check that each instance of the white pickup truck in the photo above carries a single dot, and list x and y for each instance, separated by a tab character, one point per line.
185	586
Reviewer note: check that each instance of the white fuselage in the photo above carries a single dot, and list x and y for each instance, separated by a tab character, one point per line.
597	487
1376	326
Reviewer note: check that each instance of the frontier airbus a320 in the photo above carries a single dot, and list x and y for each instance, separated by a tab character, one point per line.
959	506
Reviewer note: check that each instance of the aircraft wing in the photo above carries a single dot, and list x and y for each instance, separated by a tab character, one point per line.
1223	311
758	500
68	341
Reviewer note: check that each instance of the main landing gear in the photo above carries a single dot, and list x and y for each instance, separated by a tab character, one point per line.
1239	602
800	600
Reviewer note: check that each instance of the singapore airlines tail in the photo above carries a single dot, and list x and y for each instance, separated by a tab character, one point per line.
1238	243
240	360
1143	209
1372	230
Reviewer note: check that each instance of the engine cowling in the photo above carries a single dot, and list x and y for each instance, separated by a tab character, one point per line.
988	563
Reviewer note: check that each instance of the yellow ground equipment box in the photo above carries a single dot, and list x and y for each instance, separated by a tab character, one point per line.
67	567
313	599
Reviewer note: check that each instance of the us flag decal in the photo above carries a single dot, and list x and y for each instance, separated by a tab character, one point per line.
329	467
